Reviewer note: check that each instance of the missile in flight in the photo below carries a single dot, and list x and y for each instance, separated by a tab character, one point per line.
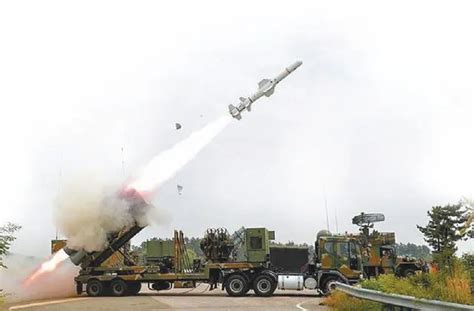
265	87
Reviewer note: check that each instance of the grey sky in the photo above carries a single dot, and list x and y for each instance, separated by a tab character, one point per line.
380	115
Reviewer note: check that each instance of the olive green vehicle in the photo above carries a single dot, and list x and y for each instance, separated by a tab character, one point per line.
379	250
167	265
338	259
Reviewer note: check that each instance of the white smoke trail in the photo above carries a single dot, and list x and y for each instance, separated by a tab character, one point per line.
89	209
166	164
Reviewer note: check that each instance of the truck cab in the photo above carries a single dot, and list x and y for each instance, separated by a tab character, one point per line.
338	259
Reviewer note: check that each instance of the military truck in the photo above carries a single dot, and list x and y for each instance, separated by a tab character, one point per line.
379	249
338	258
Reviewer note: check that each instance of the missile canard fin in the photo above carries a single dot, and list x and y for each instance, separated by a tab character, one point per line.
263	83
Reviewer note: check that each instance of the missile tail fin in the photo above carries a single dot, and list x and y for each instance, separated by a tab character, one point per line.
234	112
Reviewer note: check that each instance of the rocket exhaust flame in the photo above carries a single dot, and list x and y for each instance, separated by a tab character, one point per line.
166	164
48	266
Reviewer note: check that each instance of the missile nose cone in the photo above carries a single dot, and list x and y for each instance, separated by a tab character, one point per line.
294	66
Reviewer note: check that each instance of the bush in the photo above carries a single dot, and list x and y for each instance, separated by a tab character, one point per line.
467	260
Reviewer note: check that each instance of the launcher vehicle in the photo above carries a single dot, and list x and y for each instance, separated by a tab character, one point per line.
337	258
239	263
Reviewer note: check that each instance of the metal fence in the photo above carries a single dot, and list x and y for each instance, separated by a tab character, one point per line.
400	300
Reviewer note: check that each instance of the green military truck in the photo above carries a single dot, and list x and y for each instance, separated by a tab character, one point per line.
380	256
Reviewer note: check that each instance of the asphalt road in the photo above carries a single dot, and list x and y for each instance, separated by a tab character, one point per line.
184	299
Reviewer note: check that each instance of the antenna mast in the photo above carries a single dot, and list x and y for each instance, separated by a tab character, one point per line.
123	163
326	207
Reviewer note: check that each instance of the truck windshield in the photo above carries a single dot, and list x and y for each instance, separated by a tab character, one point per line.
343	249
354	260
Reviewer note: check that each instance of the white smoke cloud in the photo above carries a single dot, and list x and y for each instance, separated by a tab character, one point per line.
88	209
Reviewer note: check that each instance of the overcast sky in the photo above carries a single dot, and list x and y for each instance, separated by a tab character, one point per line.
380	117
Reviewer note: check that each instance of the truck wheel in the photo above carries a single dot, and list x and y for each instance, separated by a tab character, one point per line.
264	285
118	287
134	287
408	272
236	285
330	284
94	288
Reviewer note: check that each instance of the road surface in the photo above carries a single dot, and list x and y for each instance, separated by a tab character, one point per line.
197	299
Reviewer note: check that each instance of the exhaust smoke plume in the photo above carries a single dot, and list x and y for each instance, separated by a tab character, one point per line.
166	164
89	209
87	212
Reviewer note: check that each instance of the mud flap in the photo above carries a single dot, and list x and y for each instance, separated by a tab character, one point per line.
78	288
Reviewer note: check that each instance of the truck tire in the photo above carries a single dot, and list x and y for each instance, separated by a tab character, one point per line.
94	288
408	272
264	285
236	285
118	287
134	287
329	284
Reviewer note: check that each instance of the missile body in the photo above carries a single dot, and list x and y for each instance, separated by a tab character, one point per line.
265	87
